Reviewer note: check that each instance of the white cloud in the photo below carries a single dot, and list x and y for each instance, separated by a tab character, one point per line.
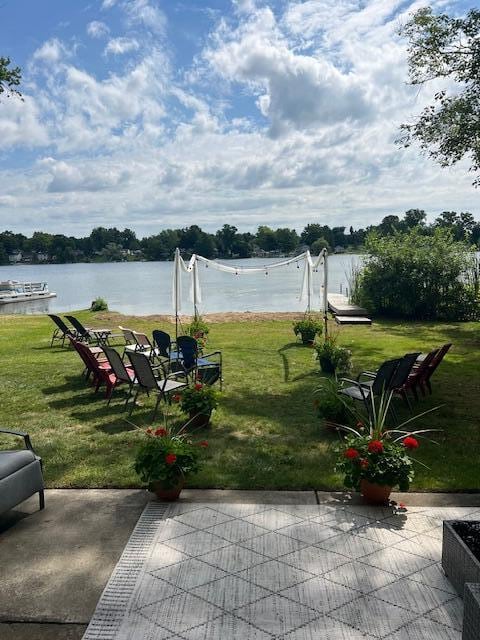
97	29
147	14
108	4
119	46
67	177
21	124
50	52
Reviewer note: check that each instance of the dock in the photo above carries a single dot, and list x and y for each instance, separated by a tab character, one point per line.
346	313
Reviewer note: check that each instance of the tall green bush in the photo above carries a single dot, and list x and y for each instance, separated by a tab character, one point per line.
416	276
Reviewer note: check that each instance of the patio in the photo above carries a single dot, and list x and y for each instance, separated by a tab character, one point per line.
289	572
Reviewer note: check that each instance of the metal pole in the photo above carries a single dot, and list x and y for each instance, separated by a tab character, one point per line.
325	291
176	266
195	278
309	275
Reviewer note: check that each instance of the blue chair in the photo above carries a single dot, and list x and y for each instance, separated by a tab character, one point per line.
201	368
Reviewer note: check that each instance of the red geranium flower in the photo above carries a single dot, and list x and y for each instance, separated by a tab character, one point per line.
351	453
203	444
198	386
170	458
375	446
161	432
176	398
410	442
364	463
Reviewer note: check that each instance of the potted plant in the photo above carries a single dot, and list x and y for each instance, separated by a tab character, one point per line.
375	459
163	460
332	358
307	329
199	330
199	401
332	408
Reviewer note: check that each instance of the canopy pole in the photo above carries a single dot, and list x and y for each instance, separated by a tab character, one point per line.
195	280
325	290
176	288
309	285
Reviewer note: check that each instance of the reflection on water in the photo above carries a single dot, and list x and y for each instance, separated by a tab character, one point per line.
142	288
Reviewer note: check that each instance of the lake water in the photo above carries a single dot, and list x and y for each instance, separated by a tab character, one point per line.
144	288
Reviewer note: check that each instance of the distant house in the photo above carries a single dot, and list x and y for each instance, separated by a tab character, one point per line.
15	257
42	257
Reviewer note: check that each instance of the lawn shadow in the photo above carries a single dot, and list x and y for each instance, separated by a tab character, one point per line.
284	357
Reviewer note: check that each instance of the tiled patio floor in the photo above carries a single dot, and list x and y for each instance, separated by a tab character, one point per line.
295	572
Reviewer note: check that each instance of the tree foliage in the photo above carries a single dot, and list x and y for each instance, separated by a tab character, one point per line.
418	277
445	47
10	78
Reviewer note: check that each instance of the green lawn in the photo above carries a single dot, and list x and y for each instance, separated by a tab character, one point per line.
265	433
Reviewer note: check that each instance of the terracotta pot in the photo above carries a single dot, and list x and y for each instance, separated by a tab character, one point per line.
375	493
199	420
326	365
171	493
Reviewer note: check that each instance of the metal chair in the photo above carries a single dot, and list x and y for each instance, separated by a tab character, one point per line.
202	368
87	334
121	372
378	384
62	331
400	377
148	381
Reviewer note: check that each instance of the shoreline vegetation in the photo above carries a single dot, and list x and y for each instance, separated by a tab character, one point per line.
113	245
266	432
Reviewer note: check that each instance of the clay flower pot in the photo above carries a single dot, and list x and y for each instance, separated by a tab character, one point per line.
169	494
375	493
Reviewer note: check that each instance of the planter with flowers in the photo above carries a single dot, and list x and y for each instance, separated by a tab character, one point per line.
375	459
165	458
307	329
199	401
332	358
199	330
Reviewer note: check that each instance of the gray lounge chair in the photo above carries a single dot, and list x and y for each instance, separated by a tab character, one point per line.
20	474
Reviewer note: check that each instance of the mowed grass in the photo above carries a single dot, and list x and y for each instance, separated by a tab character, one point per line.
265	434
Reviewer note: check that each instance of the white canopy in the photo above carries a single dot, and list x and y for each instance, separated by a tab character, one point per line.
311	265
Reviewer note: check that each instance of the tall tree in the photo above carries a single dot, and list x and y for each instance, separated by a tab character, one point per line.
446	47
10	78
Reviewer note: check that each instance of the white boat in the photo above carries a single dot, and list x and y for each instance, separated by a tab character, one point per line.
14	291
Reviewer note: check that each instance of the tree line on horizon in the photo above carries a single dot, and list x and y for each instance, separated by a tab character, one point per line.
112	245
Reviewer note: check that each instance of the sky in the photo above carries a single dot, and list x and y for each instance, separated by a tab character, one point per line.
154	114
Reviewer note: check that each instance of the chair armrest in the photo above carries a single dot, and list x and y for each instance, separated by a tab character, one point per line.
175	374
214	353
369	374
354	382
20	434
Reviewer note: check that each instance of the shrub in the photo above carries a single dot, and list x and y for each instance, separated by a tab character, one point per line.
99	304
416	276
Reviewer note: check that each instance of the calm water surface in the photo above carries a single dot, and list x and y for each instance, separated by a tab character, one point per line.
143	288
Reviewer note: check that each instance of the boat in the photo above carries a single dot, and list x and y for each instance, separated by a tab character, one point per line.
14	291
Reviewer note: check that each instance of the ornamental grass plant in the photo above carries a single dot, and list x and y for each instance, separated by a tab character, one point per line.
371	451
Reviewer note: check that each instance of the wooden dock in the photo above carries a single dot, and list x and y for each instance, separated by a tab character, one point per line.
346	313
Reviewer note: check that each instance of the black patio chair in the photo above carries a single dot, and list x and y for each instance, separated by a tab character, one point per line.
163	343
363	391
86	334
202	367
400	376
122	373
148	381
61	332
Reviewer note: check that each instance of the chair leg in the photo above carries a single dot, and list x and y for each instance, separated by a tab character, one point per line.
156	407
133	403
41	496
